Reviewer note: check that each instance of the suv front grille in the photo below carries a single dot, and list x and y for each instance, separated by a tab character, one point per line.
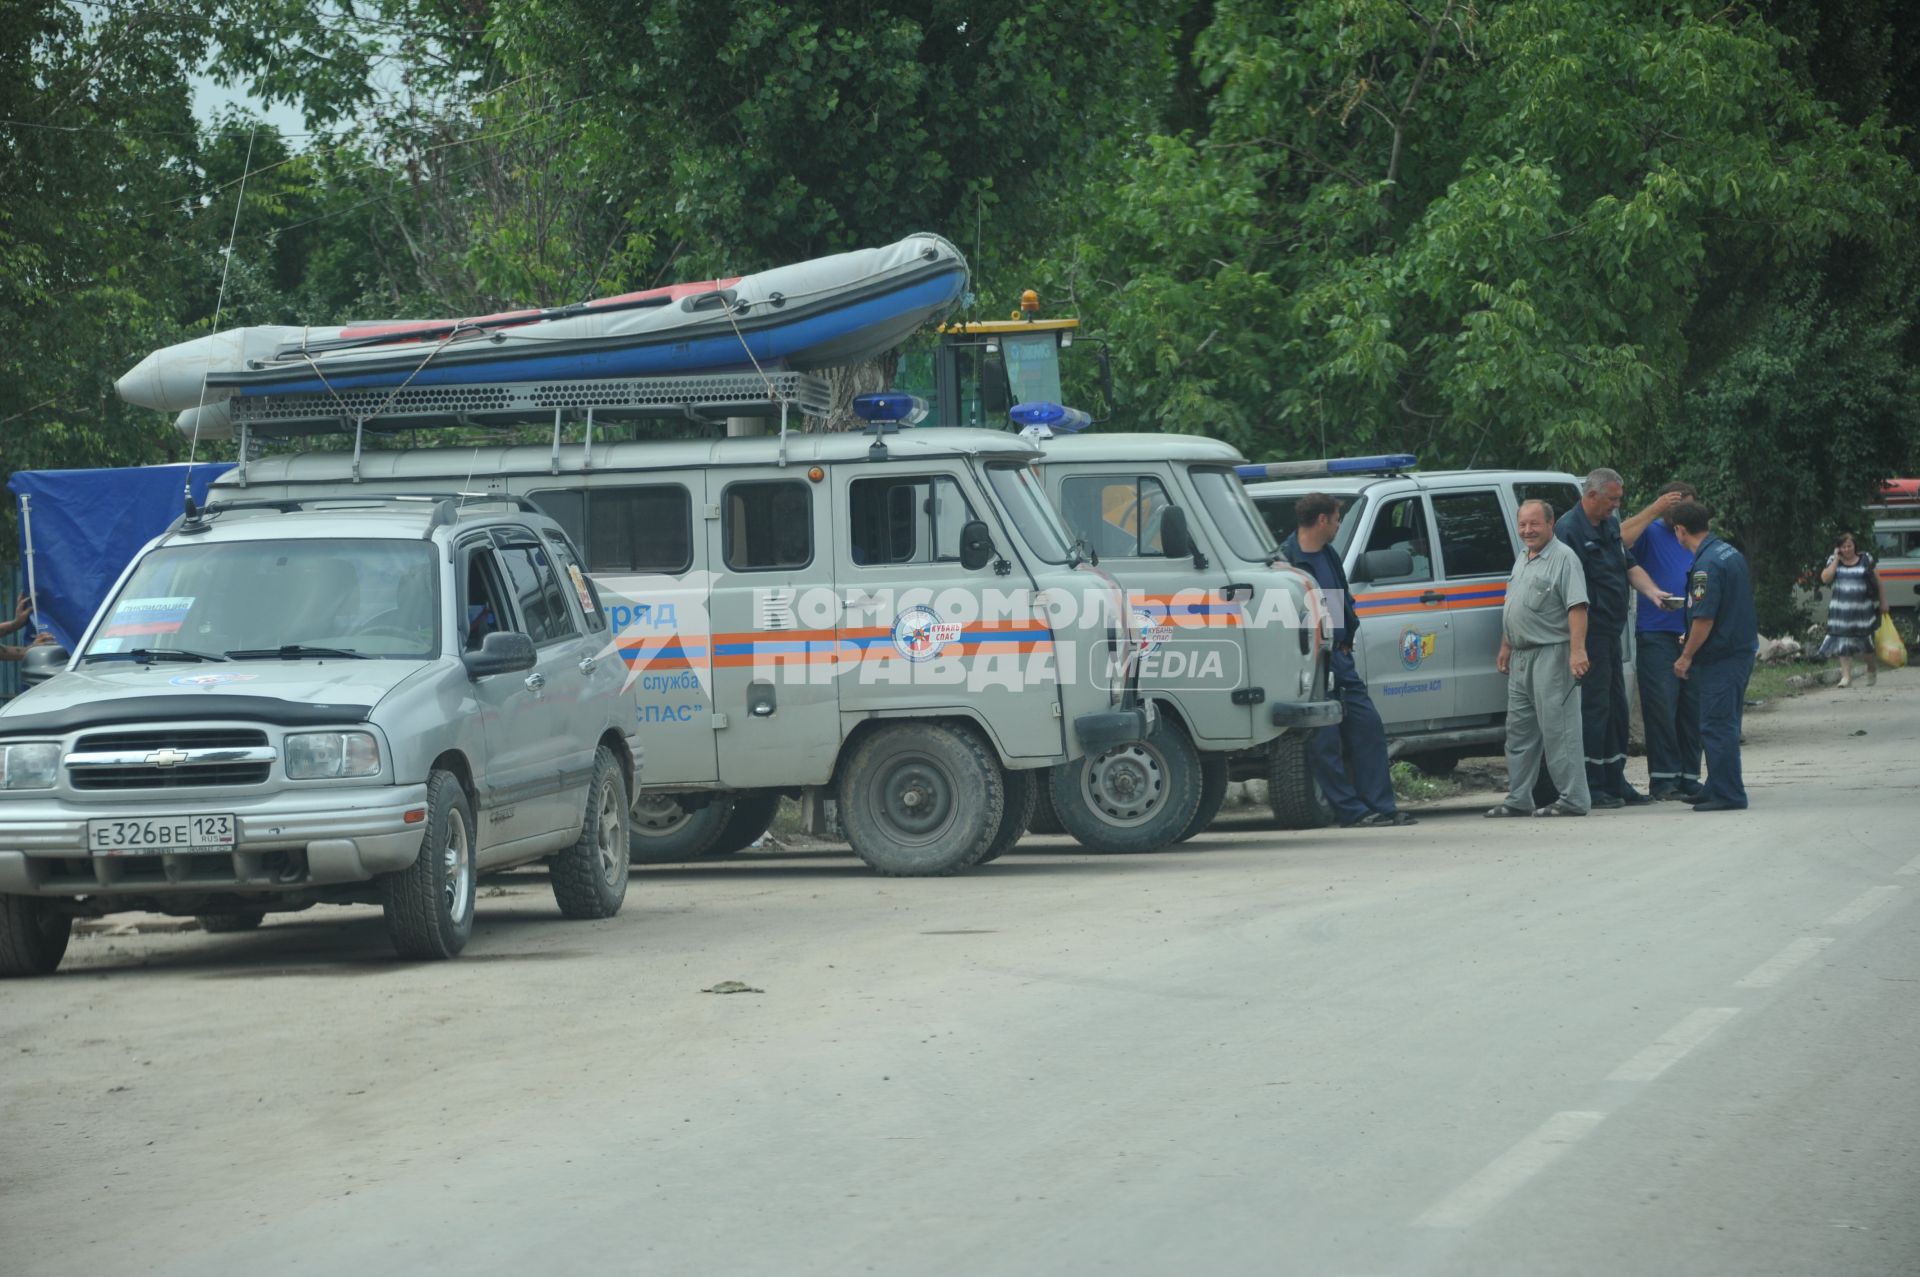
144	775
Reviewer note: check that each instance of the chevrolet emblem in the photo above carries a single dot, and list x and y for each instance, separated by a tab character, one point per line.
166	758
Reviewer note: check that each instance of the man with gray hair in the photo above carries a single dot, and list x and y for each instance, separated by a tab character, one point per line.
1543	653
1592	531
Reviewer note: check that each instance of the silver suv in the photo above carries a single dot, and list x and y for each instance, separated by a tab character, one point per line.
351	700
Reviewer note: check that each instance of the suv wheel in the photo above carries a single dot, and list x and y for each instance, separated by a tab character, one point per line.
590	878
33	936
1134	797
1292	791
666	828
1023	796
1213	794
921	799
752	816
429	904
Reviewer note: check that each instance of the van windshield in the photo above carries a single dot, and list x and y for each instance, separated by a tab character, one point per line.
366	598
1026	507
1227	502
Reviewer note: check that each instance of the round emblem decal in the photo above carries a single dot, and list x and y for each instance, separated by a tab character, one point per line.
209	680
919	633
1153	633
1416	647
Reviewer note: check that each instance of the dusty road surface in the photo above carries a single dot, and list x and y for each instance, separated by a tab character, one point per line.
1648	1042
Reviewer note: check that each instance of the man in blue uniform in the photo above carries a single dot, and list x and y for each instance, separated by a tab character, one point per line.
1592	530
1350	760
1718	655
1668	705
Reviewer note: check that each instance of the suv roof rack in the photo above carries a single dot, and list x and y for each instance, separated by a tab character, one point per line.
1392	463
289	505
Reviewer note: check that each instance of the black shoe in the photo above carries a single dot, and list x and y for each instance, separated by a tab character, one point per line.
1715	804
1667	794
1371	820
1606	802
1633	797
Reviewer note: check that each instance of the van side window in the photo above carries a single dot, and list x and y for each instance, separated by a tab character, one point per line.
768	525
1402	525
543	606
1560	497
1118	515
638	529
1473	534
583	586
906	519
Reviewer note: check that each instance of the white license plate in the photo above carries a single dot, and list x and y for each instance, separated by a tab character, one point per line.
153	835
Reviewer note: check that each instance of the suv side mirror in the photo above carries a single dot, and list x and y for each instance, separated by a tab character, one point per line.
976	545
42	662
1377	565
501	652
1176	542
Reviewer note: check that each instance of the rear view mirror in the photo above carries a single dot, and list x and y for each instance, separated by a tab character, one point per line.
976	545
501	652
41	662
1382	565
1176	542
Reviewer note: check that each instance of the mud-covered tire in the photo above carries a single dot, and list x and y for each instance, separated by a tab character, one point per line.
589	879
1213	794
1292	791
1023	795
1045	820
219	924
33	936
1440	765
664	828
921	799
429	904
1132	798
753	813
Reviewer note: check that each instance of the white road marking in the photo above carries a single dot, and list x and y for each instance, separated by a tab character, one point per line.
1863	904
1775	969
1911	867
1464	1206
1673	1045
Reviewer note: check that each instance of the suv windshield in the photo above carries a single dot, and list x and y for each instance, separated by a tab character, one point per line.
366	598
1277	510
1027	509
1226	500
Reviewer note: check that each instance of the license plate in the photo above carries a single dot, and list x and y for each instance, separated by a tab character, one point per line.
153	835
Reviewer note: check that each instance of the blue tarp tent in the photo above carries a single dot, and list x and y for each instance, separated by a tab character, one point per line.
88	525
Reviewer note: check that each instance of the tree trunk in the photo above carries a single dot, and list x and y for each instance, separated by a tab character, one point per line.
869	378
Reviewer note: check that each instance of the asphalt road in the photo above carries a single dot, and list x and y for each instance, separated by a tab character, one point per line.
1648	1042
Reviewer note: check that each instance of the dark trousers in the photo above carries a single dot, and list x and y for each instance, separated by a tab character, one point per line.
1722	687
1670	707
1603	716
1349	759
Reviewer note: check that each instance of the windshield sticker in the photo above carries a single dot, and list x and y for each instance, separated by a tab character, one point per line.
210	680
148	616
580	588
919	633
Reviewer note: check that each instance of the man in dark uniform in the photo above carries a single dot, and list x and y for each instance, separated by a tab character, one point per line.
1592	529
1722	633
1349	760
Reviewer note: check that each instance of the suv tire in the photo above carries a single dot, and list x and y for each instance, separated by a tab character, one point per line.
664	828
1291	790
589	879
753	813
429	904
1132	798
1023	796
224	923
921	799
33	936
1213	794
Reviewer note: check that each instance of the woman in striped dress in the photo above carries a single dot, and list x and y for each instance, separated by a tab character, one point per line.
1855	609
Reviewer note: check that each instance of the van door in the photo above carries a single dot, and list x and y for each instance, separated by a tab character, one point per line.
1405	650
1477	550
773	611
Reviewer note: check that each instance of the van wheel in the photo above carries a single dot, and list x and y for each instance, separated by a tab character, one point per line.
666	828
1045	820
1023	796
589	879
753	813
223	923
921	799
1213	794
33	936
1439	765
1134	797
429	904
1292	791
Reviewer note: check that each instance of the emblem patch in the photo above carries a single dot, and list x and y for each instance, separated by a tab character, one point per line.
1416	647
919	633
1699	585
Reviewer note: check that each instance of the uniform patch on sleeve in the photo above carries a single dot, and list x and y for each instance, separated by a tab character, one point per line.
1699	585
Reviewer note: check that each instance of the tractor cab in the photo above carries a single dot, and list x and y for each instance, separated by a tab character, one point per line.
979	369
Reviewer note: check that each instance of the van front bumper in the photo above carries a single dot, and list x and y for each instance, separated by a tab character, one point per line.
1306	715
1099	732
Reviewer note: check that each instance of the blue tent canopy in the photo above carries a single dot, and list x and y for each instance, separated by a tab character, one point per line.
88	525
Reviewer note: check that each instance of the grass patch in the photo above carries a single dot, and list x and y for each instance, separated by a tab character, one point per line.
1769	682
1410	784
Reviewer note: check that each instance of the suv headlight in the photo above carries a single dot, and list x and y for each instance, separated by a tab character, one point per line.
332	755
35	766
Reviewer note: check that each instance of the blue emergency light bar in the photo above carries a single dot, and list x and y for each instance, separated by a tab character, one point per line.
1393	463
906	410
1049	416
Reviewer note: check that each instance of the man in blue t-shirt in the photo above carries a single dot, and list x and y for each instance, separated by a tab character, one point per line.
1669	706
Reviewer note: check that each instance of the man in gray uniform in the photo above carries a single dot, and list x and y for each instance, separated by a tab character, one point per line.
1543	653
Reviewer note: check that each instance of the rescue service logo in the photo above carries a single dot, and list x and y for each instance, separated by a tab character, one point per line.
1416	647
210	680
919	634
1700	585
1153	633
